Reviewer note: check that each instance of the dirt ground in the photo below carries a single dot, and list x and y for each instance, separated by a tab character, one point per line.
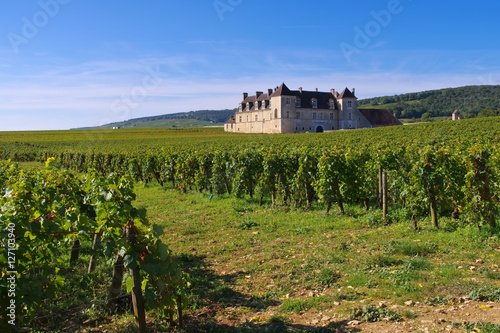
427	318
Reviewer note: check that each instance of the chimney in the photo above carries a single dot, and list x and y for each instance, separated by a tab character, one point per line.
300	90
333	92
269	92
245	95
354	91
316	89
258	93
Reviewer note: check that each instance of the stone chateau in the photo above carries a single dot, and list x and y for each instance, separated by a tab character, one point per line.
282	110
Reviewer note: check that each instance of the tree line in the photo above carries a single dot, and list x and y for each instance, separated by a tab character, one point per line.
470	101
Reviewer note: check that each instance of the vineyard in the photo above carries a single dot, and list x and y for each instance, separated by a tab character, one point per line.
85	194
438	168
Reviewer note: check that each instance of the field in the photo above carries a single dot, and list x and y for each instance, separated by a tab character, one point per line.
270	256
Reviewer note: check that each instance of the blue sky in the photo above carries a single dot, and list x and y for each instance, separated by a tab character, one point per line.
74	63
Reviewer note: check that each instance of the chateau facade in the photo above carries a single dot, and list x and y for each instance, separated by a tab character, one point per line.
282	110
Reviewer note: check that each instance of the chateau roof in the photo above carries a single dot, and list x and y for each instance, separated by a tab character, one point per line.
323	98
380	117
346	94
282	91
306	97
231	120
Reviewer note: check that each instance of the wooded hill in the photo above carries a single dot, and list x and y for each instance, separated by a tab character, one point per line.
181	119
470	101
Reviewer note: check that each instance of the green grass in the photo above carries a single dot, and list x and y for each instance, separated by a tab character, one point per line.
483	327
282	251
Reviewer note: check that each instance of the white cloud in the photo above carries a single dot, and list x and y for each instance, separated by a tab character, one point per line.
85	94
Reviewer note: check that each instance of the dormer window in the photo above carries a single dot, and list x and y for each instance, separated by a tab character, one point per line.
314	103
331	104
298	103
248	106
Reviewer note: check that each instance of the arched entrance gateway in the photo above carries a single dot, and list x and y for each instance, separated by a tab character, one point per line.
319	129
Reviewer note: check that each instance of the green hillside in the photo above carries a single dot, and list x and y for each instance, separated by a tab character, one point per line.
200	118
470	101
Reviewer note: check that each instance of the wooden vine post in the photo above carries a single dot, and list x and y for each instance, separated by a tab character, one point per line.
135	273
380	187
95	249
75	251
384	194
434	215
116	282
138	300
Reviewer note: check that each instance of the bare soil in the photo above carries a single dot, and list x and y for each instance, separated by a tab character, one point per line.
427	318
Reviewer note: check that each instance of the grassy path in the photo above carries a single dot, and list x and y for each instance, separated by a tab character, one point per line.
253	265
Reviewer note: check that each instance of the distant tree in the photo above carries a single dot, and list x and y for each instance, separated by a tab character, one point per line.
426	117
487	113
467	115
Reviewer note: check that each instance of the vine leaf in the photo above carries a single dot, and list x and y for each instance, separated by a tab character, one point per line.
128	283
129	261
158	230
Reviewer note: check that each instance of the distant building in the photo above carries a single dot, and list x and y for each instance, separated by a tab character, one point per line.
455	115
282	110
